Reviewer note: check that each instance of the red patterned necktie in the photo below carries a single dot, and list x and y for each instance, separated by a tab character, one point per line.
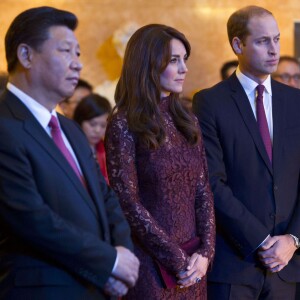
262	120
58	140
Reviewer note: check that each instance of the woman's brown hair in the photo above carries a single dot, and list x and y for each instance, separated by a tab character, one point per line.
138	91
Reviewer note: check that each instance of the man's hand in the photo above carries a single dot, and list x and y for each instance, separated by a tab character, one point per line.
114	287
127	268
196	268
276	252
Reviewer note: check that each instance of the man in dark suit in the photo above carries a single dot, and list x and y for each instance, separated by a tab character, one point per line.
62	232
253	152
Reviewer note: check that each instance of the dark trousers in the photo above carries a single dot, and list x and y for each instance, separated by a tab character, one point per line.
272	288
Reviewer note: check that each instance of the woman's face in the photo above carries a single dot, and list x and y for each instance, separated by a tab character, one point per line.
172	78
94	129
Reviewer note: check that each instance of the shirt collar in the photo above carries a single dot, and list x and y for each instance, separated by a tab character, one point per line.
40	112
250	85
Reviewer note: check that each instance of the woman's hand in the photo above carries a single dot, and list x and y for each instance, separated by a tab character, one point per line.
195	270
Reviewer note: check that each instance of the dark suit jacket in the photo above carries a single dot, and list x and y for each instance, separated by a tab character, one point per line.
252	197
57	237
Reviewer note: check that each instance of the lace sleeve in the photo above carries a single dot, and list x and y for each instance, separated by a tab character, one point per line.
204	206
120	151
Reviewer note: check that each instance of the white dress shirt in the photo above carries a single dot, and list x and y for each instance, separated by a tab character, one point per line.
42	114
249	87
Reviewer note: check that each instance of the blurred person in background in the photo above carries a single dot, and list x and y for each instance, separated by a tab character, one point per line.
288	71
69	104
228	68
3	81
91	114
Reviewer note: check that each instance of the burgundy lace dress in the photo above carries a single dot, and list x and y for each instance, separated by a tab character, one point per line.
166	197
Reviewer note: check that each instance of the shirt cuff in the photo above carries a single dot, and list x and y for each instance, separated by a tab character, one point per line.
116	263
262	242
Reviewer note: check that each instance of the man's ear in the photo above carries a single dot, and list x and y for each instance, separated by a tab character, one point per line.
237	45
25	53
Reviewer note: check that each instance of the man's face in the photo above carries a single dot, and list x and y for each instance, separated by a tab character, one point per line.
259	54
288	72
56	66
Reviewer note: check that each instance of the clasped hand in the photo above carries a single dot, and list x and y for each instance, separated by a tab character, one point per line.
124	275
197	267
276	252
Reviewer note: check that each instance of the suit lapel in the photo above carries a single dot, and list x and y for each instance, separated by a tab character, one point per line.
279	115
90	178
242	102
35	130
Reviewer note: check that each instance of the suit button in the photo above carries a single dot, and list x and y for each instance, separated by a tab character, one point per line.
275	187
272	215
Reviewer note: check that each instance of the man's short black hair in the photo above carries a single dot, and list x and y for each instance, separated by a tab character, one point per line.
31	27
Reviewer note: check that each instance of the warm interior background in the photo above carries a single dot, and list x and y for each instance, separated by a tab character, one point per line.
202	21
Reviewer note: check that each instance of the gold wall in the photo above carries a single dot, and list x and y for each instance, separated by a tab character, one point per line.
202	21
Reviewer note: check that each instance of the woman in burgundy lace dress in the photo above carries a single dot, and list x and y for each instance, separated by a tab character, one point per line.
156	164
